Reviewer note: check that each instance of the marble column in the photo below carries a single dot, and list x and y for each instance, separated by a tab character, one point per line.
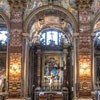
92	60
38	69
64	56
75	69
84	53
15	49
25	69
94	91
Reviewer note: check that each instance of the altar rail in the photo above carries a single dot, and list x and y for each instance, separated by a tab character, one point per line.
51	95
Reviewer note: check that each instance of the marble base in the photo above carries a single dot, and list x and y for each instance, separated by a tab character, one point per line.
19	99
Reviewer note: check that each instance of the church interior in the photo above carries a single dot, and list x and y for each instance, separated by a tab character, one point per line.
49	49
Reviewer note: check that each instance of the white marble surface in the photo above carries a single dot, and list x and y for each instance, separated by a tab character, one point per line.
85	99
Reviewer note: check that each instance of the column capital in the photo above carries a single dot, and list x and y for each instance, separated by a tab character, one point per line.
27	38
76	35
17	4
25	34
84	4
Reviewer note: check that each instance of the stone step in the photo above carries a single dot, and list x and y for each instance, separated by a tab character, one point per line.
18	99
85	99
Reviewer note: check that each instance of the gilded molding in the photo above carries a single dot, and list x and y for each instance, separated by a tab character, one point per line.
84	4
17	4
55	8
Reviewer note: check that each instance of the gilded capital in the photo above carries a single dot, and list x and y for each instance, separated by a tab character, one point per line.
17	4
76	35
83	4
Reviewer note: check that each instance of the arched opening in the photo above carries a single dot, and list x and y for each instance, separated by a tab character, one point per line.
96	54
3	54
52	45
97	58
49	58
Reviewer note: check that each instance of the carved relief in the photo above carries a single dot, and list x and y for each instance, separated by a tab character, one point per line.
85	18
95	6
34	4
97	26
15	39
15	58
17	4
51	22
16	18
15	74
84	4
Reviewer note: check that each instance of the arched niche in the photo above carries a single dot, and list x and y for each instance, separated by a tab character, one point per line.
40	20
4	37
51	51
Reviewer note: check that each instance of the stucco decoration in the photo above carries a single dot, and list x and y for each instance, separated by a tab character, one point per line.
51	22
33	4
97	26
96	6
5	6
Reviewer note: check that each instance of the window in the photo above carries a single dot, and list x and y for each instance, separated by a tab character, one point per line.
52	38
97	41
3	37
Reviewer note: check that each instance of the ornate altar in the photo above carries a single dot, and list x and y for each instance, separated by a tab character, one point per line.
51	67
51	95
52	72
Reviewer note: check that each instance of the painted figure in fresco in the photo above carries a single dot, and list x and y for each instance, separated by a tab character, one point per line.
47	70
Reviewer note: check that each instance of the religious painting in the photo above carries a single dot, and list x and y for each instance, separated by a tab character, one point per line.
53	70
